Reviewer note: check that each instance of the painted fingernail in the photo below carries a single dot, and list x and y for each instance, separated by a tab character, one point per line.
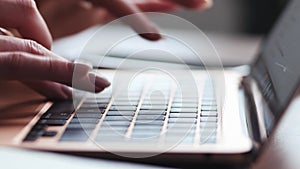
99	82
151	36
152	33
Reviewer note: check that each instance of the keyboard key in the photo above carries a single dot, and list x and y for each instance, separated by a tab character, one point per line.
187	101
126	100
81	126
180	131
97	100
208	108
56	115
147	128
150	123
120	113
33	137
36	132
183	115
88	115
208	93
209	103
208	119
116	123
184	110
103	95
116	129
134	104
209	113
154	109
183	120
209	125
208	131
49	134
181	126
93	106
122	108
155	102
152	112
85	120
118	118
75	130
150	117
184	105
52	122
90	110
128	94
39	127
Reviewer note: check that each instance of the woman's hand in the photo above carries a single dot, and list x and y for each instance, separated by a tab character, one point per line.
72	16
33	64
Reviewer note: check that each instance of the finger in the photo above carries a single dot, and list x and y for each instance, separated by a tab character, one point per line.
156	6
24	16
10	44
27	67
51	90
68	24
194	4
140	23
63	17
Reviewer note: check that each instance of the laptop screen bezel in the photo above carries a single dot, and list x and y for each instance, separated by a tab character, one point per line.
273	108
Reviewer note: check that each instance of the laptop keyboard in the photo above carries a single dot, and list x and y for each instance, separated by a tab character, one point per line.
157	113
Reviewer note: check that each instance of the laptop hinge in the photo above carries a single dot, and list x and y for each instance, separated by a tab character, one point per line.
254	115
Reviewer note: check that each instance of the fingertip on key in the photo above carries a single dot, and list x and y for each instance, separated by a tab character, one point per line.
151	36
152	33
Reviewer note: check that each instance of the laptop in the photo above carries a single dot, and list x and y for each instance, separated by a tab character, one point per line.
196	116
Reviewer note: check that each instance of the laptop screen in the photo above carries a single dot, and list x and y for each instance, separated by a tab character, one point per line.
278	67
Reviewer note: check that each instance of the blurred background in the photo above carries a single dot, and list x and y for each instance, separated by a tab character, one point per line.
228	24
237	16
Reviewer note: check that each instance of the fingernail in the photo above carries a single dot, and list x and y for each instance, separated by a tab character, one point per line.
67	91
207	4
151	36
5	32
99	82
152	33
